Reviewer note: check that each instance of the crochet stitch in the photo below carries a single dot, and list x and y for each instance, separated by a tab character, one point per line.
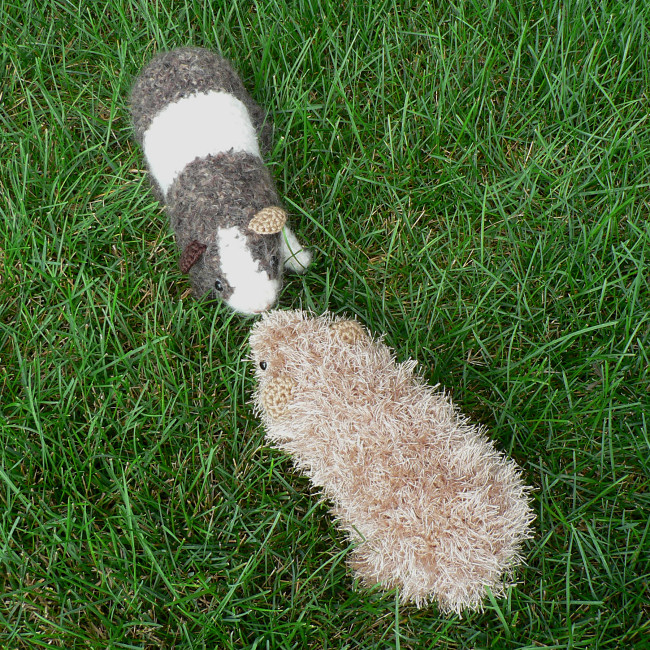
433	508
201	132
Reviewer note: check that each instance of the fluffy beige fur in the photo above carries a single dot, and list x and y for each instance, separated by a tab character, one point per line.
434	508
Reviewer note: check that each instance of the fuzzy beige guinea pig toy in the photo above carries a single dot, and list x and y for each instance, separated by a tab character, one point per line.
433	507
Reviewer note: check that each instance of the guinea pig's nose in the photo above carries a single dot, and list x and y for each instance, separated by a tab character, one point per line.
263	309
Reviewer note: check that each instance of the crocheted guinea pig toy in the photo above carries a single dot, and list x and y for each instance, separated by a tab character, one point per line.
201	133
433	507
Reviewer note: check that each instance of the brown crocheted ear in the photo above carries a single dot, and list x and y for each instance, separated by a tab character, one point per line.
190	256
268	221
276	395
349	331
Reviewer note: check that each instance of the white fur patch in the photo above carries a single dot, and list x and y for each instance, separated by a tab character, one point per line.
253	290
195	127
294	257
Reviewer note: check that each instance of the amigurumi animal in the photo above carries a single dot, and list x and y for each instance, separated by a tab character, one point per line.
433	507
199	130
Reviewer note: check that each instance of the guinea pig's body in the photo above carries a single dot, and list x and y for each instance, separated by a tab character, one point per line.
434	508
201	132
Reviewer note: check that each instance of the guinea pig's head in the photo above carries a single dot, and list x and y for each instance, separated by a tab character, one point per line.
239	265
294	352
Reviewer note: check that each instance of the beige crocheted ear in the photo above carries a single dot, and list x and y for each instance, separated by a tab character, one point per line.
349	331
276	395
268	221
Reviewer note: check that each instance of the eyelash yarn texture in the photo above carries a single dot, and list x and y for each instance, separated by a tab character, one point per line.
433	507
203	137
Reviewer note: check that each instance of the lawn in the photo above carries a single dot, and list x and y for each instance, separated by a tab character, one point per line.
474	181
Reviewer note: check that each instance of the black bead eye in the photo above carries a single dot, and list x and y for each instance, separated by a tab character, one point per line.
218	286
263	365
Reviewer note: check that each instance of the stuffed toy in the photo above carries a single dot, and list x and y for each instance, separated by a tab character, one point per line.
201	133
431	506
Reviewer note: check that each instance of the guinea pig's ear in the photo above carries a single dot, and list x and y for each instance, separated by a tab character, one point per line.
276	396
268	221
349	331
190	255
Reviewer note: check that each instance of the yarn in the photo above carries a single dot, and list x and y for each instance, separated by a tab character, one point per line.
431	506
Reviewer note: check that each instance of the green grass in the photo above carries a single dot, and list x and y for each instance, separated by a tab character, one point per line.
474	181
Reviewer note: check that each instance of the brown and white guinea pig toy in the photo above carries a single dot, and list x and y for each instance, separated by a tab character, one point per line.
433	508
201	133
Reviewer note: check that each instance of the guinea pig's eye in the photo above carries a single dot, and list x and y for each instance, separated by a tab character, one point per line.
218	286
263	365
